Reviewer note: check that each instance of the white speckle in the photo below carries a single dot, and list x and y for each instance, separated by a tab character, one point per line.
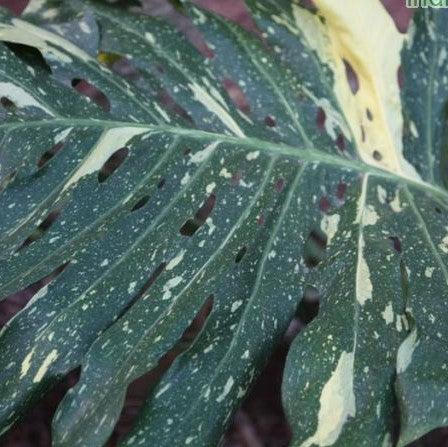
442	56
61	136
272	254
211	225
329	225
176	260
225	173
212	104
245	354
444	244
173	282
405	351
413	129
252	155
201	156
85	28
210	187
236	305
395	204
26	364
429	271
227	388
49	360
185	179
105	263
337	403
163	390
150	38
131	288
388	314
382	194
370	216
162	112
364	287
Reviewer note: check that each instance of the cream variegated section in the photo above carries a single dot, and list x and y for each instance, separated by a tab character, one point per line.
51	45
337	403
110	141
374	112
21	97
364	287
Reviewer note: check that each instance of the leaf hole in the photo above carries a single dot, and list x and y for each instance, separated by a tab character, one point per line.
170	105
324	204
377	155
143	289
34	429
341	191
315	247
340	142
90	91
31	56
112	164
363	134
270	121
140	203
321	117
400	77
41	229
7	103
48	155
17	301
236	95
396	243
240	255
192	225
7	180
161	183
138	390
352	77
308	308
280	185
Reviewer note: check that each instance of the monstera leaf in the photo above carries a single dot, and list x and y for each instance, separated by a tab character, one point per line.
142	213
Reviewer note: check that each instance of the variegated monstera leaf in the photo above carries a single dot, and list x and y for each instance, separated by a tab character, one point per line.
143	211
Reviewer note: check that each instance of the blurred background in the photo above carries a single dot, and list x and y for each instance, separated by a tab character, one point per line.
260	421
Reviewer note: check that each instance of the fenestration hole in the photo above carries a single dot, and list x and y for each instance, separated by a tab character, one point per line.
352	77
270	121
192	225
140	203
377	155
87	89
7	103
240	255
315	246
112	164
41	229
48	155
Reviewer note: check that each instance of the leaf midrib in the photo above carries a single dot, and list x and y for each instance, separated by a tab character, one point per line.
304	154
